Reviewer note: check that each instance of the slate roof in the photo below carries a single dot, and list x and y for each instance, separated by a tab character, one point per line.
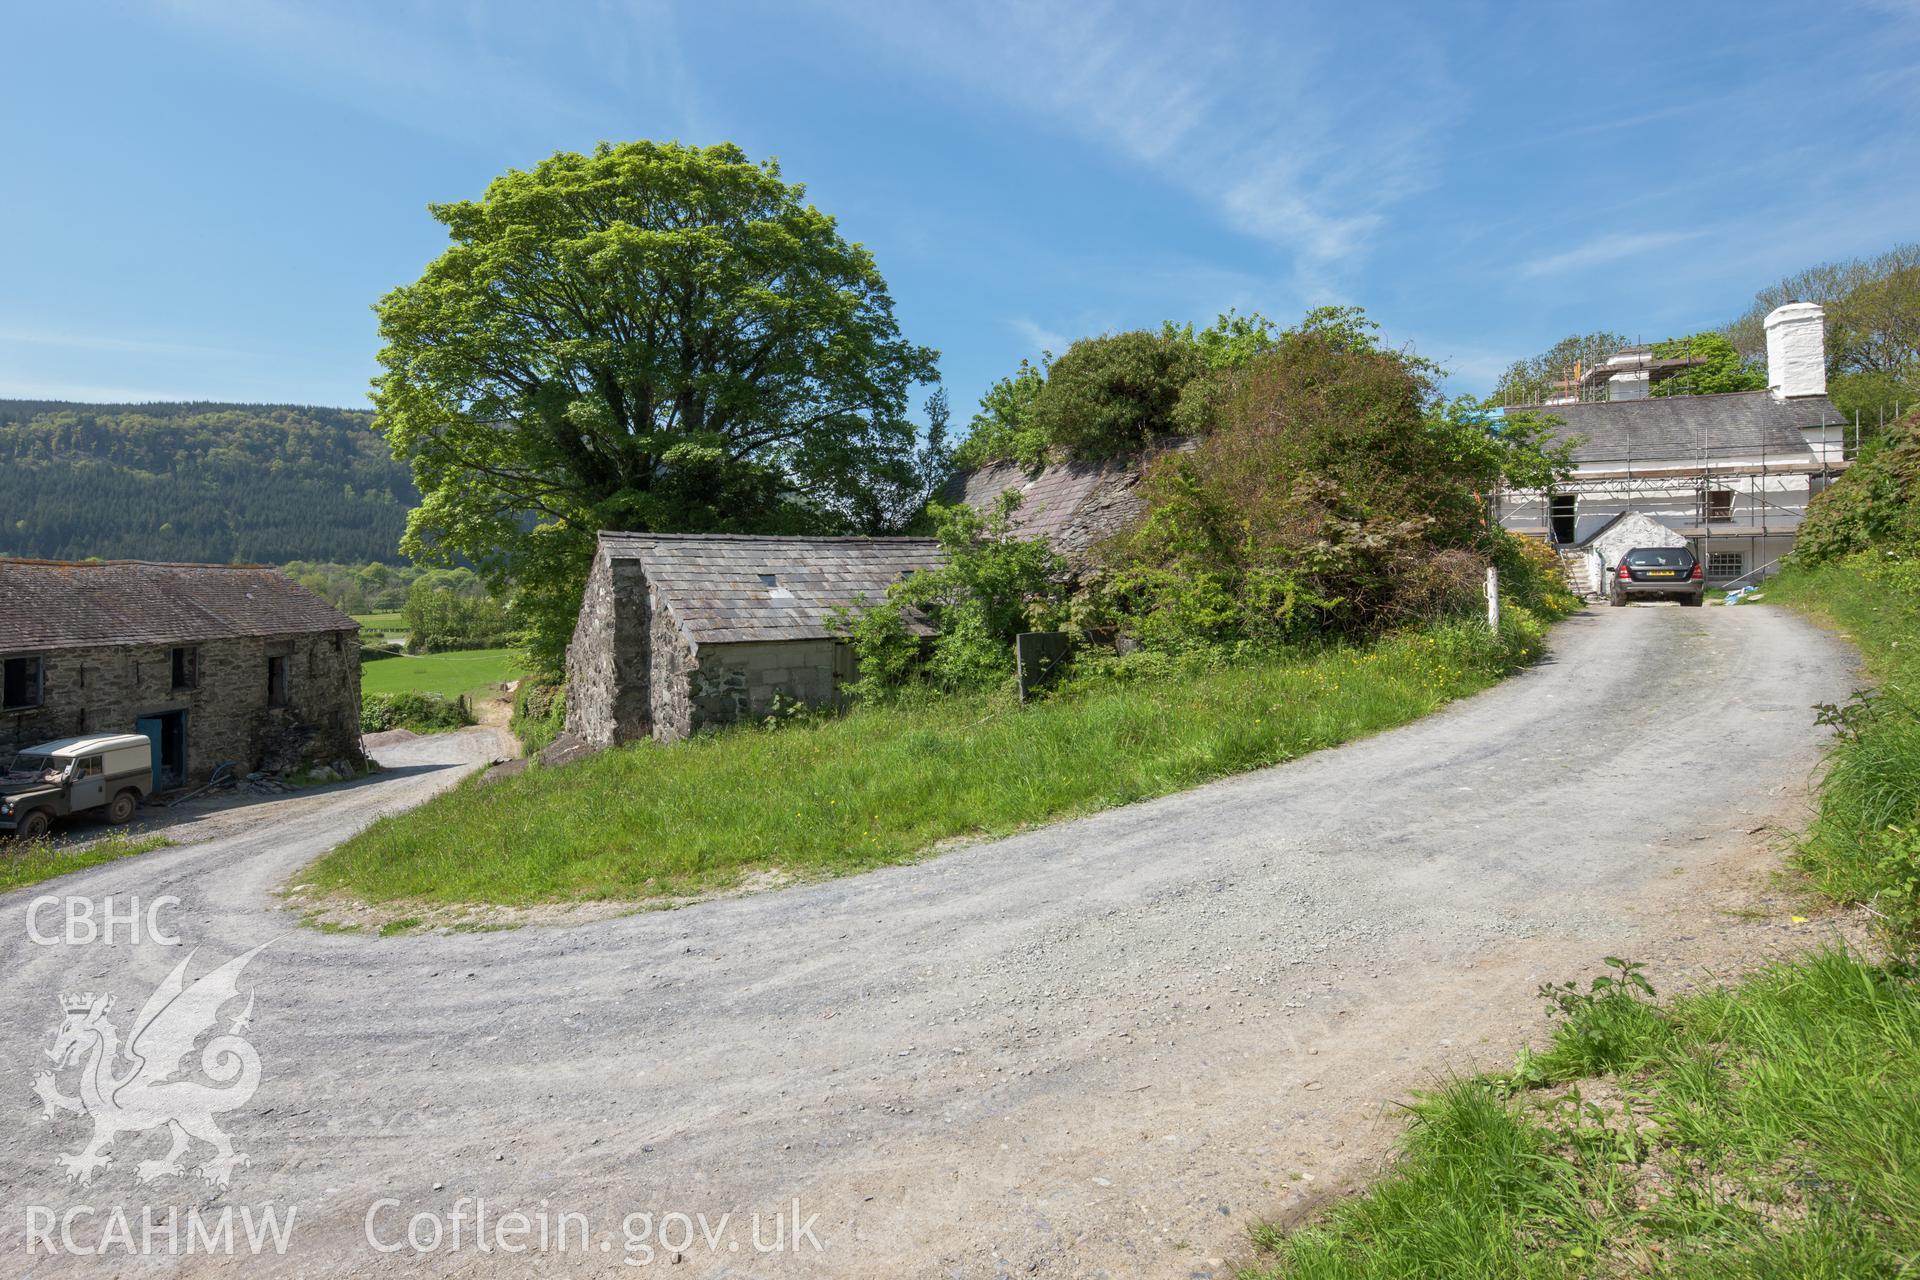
716	587
1675	429
1071	504
57	604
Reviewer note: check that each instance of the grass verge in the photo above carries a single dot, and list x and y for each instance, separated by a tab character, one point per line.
883	784
1864	845
1770	1128
29	862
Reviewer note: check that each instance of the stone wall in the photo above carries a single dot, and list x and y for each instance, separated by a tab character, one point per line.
106	689
591	688
608	678
671	704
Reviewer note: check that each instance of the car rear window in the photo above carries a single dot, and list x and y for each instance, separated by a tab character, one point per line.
1661	558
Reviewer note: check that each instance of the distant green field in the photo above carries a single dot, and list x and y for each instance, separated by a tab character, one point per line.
449	674
378	628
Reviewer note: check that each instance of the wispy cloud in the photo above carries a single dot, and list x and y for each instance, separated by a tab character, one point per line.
1612	247
1267	122
18	388
1039	338
24	335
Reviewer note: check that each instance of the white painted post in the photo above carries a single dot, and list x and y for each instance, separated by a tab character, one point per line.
1493	598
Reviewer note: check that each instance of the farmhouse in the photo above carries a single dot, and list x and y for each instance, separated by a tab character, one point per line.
678	632
214	663
1728	475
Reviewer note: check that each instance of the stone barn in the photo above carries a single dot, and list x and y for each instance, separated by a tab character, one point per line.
214	663
682	631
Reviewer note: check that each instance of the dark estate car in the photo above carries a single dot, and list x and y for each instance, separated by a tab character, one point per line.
1659	572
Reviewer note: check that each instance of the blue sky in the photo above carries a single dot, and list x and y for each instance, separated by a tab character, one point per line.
201	199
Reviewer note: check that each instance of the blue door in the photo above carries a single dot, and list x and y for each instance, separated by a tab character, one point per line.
149	728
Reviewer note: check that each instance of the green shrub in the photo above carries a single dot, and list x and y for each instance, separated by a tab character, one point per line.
418	712
991	586
1116	394
1876	504
539	713
1003	430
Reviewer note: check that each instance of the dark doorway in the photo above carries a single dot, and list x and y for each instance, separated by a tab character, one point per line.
167	730
1561	509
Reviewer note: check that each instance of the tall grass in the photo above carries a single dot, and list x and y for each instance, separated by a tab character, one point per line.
883	784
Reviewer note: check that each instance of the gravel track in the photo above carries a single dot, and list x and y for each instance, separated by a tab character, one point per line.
1103	1047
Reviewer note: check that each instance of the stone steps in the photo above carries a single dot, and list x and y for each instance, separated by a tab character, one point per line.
1579	573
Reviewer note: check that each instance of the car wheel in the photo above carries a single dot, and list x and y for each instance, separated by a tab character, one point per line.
121	810
1618	600
1693	602
33	826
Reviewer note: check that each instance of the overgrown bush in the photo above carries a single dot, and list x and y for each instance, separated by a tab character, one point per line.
539	713
1337	494
1875	504
991	586
1117	394
418	712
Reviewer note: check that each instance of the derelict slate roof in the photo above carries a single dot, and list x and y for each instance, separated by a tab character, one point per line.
1674	429
1070	504
712	583
47	604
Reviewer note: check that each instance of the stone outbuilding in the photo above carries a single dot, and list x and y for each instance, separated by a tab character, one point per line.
214	663
679	632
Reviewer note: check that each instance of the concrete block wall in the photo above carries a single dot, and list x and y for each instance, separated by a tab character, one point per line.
738	681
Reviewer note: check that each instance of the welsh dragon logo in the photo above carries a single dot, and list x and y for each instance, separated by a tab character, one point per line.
143	1086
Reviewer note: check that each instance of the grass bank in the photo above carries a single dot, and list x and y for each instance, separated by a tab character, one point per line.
882	784
1770	1128
25	862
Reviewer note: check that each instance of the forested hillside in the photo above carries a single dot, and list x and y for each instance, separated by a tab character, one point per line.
200	482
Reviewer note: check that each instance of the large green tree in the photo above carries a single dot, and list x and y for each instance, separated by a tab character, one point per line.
1722	369
650	337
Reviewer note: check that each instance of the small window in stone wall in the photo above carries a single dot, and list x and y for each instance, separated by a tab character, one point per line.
277	681
1726	564
20	683
186	668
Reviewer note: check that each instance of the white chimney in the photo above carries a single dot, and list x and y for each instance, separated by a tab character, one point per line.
1796	351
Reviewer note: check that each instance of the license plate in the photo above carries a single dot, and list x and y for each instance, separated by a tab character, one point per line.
1662	573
